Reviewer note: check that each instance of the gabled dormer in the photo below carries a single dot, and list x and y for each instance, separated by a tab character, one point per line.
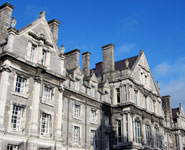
142	75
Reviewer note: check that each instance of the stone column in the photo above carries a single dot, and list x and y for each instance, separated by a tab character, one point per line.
35	107
124	128
130	128
58	133
5	72
143	135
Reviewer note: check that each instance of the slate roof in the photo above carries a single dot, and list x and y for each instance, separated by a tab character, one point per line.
174	113
119	65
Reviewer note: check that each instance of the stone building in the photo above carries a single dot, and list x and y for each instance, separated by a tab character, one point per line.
47	102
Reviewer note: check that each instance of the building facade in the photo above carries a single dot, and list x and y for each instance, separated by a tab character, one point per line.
47	102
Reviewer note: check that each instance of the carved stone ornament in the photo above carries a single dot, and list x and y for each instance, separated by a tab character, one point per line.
126	63
61	88
5	68
13	22
62	49
37	78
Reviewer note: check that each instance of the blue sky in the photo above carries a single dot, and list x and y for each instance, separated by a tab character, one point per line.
157	27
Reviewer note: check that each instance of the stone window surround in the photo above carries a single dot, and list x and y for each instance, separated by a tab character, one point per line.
50	124
26	87
80	136
94	121
92	129
52	87
22	126
80	111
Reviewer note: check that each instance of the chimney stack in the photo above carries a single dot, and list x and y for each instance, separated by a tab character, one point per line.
166	104
54	25
108	58
86	63
5	18
72	59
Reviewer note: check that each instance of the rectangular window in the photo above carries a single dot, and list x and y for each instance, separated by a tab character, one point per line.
125	92
76	110
76	135
93	91
43	61
47	94
20	85
119	131
45	124
93	138
145	102
107	142
135	97
106	120
12	147
126	116
156	136
16	117
138	131
77	85
148	134
118	95
32	53
93	115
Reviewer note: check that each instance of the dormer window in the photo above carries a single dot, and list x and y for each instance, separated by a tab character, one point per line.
136	97
145	102
32	53
77	85
43	61
93	91
118	95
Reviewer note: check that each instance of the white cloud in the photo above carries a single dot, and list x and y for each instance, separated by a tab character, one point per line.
172	80
162	69
175	88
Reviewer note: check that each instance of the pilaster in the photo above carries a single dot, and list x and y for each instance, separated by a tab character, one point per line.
58	133
4	82
35	106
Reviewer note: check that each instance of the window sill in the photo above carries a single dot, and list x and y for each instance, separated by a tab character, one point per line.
77	118
20	95
92	122
45	137
47	103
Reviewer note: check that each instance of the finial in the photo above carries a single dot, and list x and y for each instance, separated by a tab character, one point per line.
42	14
158	85
126	63
141	51
62	49
13	22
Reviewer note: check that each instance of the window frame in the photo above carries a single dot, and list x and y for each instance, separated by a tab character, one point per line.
118	95
93	138
76	111
76	135
14	118
138	131
32	52
20	84
16	147
119	131
45	128
45	95
93	115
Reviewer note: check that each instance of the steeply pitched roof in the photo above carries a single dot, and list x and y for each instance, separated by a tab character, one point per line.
119	65
174	113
